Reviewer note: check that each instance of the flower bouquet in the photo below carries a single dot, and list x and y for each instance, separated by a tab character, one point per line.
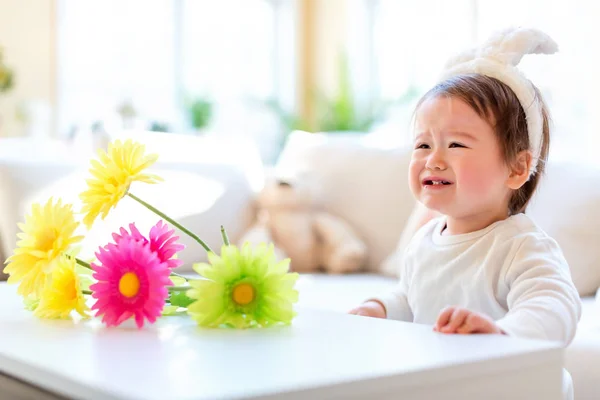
133	277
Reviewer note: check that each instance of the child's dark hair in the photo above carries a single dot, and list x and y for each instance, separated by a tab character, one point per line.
495	102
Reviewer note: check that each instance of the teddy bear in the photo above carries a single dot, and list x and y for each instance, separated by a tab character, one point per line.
313	239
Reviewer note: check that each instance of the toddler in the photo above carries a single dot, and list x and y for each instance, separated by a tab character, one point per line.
483	266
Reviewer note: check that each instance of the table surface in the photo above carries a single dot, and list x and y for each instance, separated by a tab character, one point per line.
321	351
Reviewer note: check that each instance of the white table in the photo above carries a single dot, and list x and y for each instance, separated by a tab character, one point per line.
322	355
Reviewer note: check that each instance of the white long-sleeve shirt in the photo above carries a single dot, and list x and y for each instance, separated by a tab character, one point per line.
511	271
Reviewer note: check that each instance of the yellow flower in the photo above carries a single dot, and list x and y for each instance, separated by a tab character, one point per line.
63	293
243	288
46	234
112	176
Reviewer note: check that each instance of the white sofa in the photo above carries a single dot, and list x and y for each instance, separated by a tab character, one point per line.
352	176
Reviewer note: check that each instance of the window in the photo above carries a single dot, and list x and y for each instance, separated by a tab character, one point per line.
411	40
111	53
151	58
568	79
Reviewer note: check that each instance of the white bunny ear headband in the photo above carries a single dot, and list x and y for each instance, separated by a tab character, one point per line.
498	58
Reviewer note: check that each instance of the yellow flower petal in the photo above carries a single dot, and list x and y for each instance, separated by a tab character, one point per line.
112	175
46	234
62	294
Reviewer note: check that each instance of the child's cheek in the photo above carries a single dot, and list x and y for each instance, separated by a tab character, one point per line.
473	179
414	172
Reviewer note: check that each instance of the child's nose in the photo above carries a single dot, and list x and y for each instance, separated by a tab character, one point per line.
436	161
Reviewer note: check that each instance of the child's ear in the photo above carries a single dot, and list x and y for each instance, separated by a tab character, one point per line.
519	172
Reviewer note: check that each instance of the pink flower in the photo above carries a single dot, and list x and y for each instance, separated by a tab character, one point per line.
132	282
161	241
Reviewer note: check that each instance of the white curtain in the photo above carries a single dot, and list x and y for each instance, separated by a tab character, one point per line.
153	54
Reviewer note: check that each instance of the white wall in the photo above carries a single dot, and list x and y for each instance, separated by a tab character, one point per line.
27	36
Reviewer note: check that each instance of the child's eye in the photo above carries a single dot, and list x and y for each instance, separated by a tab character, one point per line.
422	146
456	145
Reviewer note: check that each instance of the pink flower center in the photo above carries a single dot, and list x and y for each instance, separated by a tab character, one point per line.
129	284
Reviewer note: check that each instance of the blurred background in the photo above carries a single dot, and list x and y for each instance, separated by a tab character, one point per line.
74	70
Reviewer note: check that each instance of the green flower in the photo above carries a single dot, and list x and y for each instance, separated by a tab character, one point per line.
243	289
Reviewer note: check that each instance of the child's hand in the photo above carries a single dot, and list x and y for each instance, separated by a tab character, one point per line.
370	309
461	320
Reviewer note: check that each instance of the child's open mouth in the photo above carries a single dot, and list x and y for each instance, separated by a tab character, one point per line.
436	182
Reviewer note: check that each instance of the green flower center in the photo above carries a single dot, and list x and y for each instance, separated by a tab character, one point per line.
243	294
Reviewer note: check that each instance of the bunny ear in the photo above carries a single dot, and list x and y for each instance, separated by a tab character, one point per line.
510	45
460	58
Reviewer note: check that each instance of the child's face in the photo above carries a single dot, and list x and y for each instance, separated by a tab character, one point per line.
457	167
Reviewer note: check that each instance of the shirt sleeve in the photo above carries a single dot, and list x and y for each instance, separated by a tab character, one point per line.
542	301
396	301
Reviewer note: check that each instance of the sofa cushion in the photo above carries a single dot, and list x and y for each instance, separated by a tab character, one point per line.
361	182
567	207
582	358
341	292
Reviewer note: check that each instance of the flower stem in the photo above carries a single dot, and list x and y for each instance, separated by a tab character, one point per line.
86	291
224	234
183	312
83	263
172	221
178	288
179	276
177	313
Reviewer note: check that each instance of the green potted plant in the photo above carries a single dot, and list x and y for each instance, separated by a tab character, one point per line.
340	113
6	80
6	75
200	111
